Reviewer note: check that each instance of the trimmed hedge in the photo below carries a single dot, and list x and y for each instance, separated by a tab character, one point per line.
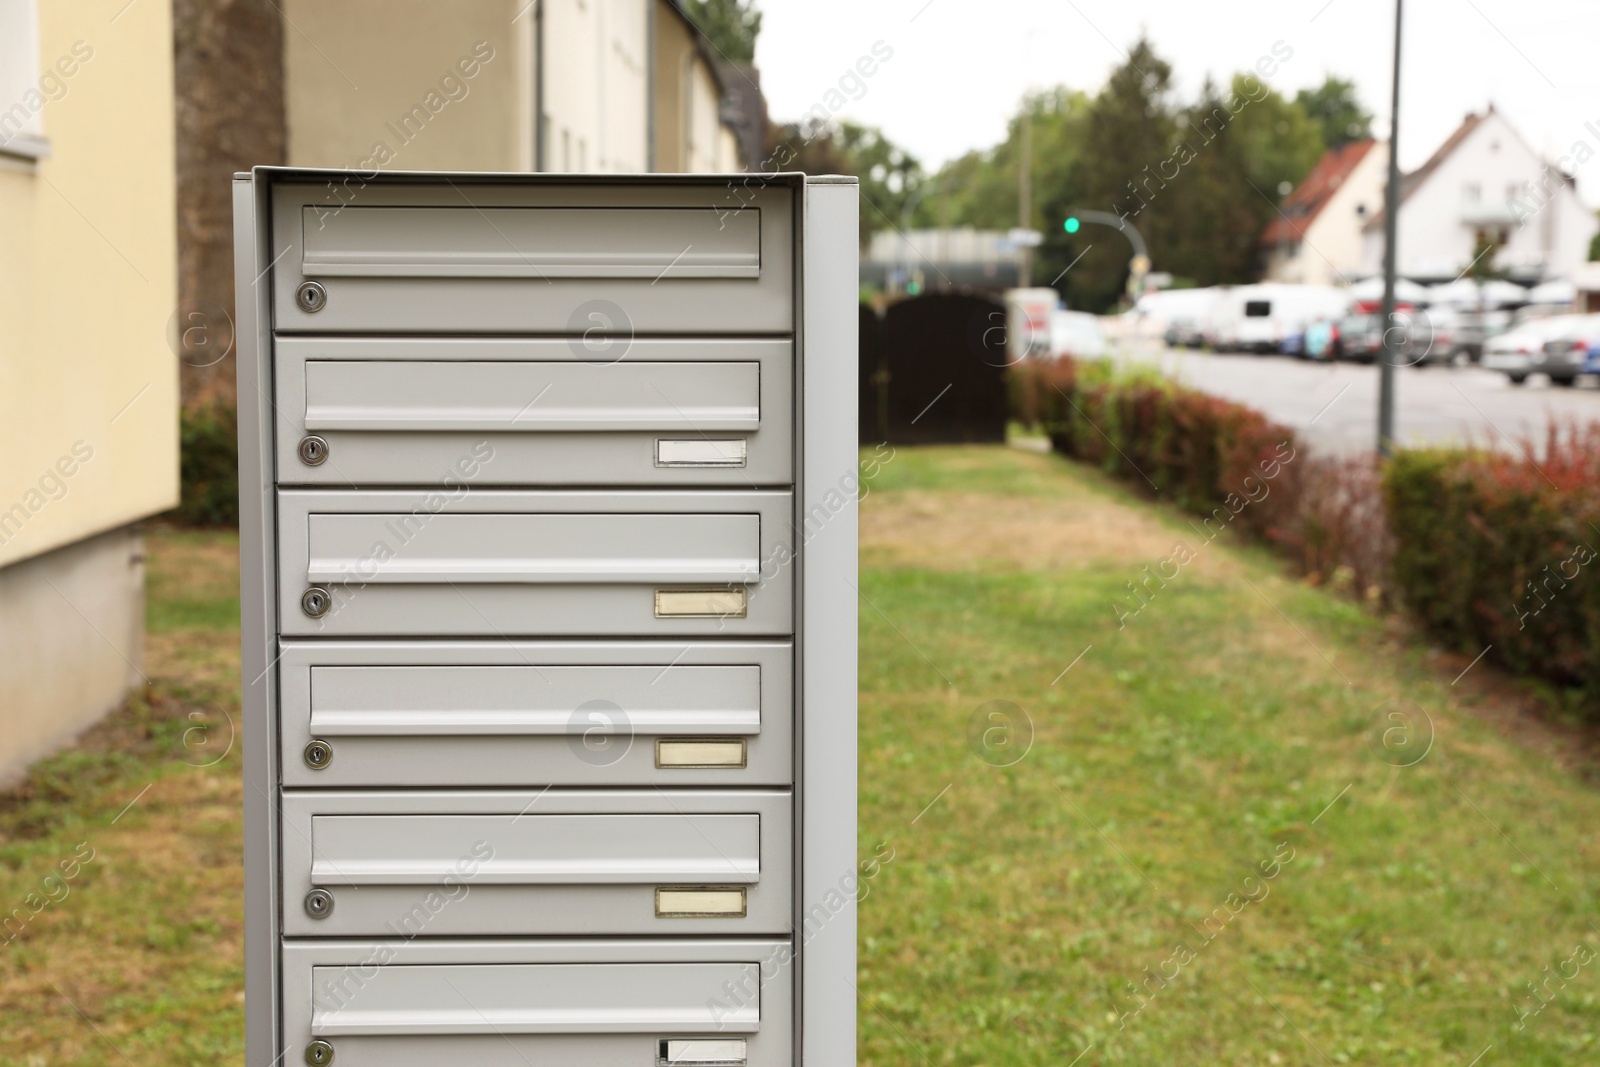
1212	457
209	466
1493	550
1486	550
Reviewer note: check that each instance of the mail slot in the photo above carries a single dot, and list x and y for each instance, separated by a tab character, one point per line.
556	1003
506	411
536	862
557	259
530	713
510	563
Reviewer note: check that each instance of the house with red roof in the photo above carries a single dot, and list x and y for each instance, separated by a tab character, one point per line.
1485	184
1316	237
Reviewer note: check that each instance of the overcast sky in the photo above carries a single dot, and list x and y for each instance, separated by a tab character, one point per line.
959	67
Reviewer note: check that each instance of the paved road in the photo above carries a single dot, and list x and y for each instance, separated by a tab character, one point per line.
1335	406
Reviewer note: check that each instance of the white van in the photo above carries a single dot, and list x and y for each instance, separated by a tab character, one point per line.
1262	318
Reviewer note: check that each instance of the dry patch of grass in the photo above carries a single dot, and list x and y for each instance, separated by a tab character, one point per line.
137	955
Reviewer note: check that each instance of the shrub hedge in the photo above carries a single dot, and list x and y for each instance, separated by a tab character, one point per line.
1214	458
209	466
1486	549
1498	551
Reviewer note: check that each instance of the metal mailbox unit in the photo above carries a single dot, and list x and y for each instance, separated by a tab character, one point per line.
548	552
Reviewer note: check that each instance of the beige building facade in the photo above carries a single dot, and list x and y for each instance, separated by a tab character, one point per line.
88	382
591	86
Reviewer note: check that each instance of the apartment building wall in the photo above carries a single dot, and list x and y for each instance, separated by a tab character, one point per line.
409	84
88	383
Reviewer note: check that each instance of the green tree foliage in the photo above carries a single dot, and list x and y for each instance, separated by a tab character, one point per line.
1198	181
1129	131
980	188
1278	140
731	25
890	176
1335	107
1215	213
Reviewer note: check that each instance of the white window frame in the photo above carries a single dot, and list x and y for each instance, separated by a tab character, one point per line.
21	101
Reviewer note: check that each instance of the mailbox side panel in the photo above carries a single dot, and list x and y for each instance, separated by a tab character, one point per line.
258	627
827	517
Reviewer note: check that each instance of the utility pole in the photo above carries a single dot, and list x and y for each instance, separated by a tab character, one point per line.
1025	193
1391	222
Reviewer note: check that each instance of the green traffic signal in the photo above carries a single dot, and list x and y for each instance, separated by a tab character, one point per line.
1072	224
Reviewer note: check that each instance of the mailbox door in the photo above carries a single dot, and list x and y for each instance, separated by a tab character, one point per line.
611	1003
506	411
575	260
502	563
508	863
537	713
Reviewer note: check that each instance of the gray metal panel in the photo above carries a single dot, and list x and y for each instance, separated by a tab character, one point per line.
258	624
543	549
507	863
527	700
574	397
827	503
555	1003
510	411
630	692
514	563
462	241
667	299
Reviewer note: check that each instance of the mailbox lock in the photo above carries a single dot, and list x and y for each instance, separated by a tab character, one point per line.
319	1054
311	297
316	601
313	450
318	754
319	903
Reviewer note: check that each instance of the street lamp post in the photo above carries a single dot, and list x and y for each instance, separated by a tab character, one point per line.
1391	220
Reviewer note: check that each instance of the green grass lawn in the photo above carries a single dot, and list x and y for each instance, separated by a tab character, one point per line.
1084	874
138	957
1060	903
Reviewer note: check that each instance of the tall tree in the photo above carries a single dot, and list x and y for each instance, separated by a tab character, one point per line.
980	188
1217	211
1279	141
1336	108
1128	133
890	176
732	26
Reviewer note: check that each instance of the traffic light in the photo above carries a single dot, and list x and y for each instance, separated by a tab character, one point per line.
1072	225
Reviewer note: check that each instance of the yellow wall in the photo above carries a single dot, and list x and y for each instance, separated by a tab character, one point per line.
674	52
354	69
88	269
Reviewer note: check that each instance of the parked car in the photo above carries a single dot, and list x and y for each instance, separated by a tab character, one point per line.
1267	318
1566	355
1519	352
1179	313
1077	334
1425	335
1360	337
1476	327
1435	335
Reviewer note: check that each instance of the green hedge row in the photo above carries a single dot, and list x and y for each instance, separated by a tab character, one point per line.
209	466
1222	461
1499	551
1486	550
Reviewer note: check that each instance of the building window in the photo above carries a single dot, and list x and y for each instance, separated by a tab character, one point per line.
1472	192
21	99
